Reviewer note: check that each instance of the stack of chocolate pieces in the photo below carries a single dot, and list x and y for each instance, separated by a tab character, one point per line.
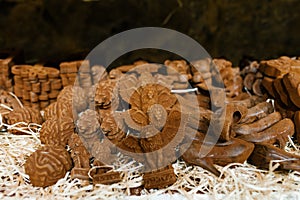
37	86
252	79
282	81
139	109
68	72
5	73
81	72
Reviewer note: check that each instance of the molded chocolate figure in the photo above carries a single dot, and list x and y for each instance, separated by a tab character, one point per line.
263	154
235	150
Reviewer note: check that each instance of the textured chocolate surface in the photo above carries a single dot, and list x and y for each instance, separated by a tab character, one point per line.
27	115
47	165
57	131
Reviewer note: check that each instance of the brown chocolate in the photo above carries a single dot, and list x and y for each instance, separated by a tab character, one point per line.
233	114
258	111
57	131
259	125
68	67
278	132
125	68
18	69
75	96
83	66
136	119
79	153
52	72
44	104
32	75
46	86
264	153
132	144
57	110
275	68
297	125
8	100
43	96
285	112
280	91
257	87
88	124
42	75
64	80
267	83
53	94
106	176
233	151
47	165
144	67
160	178
26	95
80	173
127	85
249	80
106	96
27	85
34	97
112	125
26	114
115	73
36	87
56	84
157	115
97	73
35	105
292	84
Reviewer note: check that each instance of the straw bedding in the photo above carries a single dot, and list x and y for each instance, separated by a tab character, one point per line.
242	181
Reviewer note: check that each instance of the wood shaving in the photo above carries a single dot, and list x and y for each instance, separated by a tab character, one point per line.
241	181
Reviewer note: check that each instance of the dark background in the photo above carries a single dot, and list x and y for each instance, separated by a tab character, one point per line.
57	30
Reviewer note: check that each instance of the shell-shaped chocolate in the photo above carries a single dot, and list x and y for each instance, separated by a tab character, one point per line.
57	131
47	165
25	114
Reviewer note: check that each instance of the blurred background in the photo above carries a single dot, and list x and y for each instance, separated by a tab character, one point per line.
55	30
